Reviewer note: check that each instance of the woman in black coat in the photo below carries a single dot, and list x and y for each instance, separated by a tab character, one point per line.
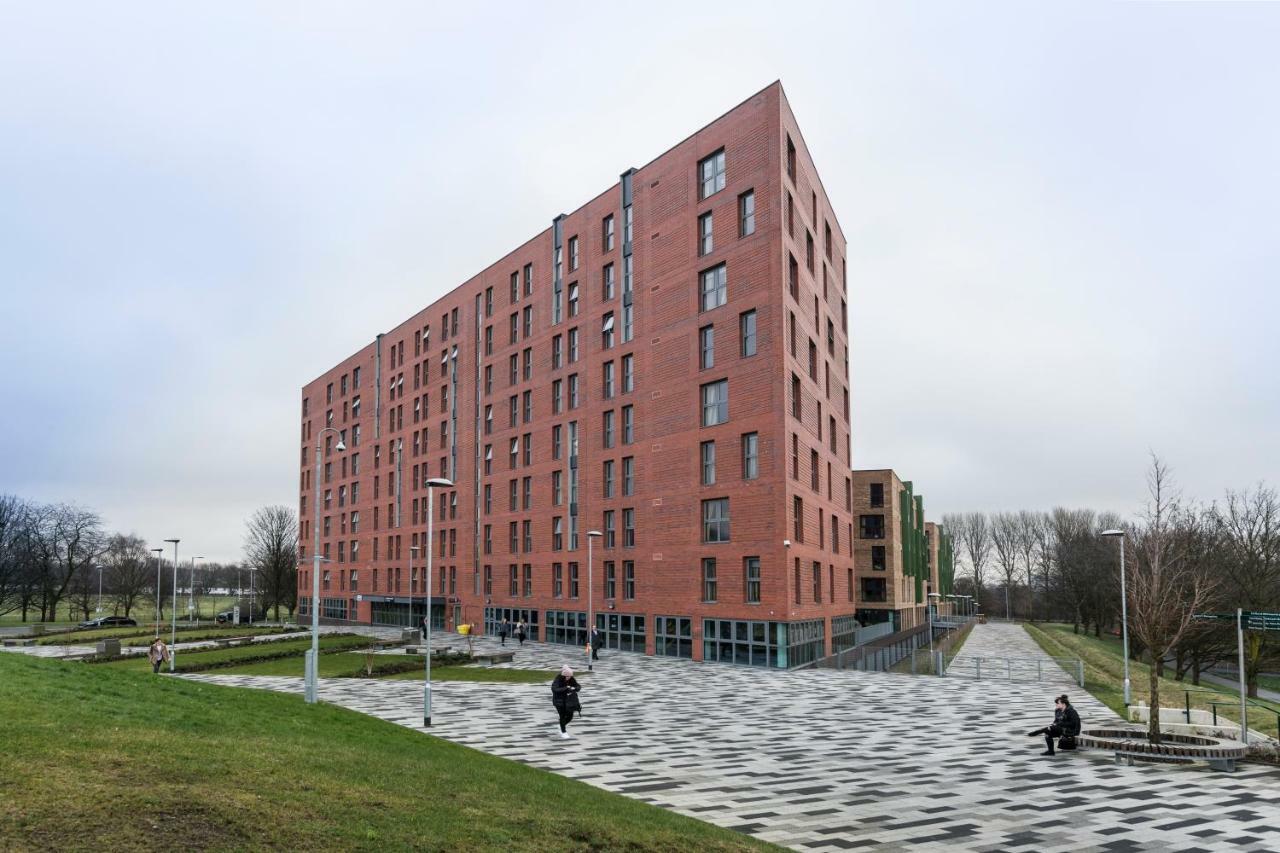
564	695
1066	725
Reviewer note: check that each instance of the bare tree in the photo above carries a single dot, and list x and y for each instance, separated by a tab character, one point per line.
1165	590
271	546
1028	537
13	521
1005	532
130	568
1249	523
975	542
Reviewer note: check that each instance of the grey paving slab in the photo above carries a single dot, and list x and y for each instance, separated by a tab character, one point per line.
831	760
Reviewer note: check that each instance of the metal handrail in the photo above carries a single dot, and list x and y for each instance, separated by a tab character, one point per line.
1234	703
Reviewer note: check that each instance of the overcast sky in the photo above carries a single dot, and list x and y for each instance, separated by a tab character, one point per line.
1063	224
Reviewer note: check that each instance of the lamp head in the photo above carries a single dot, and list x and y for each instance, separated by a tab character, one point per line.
1115	531
593	533
439	483
341	445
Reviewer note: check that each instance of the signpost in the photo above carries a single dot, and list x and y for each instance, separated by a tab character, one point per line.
1254	621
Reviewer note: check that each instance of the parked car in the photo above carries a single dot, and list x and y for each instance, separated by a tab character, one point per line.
109	622
228	617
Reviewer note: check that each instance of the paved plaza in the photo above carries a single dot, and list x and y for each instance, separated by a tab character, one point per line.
826	760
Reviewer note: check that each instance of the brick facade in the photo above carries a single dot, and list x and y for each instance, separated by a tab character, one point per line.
443	388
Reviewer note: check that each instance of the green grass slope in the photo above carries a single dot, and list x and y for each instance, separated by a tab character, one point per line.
102	758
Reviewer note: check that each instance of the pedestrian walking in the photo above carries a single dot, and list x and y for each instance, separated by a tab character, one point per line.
522	631
503	630
158	653
596	639
564	696
1066	725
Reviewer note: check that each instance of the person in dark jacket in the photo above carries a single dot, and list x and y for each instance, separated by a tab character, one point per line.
596	639
521	631
1066	725
503	630
564	695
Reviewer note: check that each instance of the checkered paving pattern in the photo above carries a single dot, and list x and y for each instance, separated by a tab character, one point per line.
837	760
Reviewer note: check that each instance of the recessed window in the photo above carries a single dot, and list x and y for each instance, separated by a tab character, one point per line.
711	174
606	331
708	579
877	494
573	253
878	558
791	158
871	526
628	373
714	287
747	213
750	456
747	333
751	578
607	233
607	283
706	237
715	520
715	403
708	453
706	347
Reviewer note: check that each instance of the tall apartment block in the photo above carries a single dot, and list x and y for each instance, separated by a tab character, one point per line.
667	366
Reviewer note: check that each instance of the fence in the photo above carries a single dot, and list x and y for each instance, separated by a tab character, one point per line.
980	667
894	651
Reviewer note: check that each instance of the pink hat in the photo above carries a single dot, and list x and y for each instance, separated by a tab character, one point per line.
566	671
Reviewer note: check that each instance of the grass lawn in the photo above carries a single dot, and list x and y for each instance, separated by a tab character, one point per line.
215	659
1269	682
1104	677
347	665
143	634
98	758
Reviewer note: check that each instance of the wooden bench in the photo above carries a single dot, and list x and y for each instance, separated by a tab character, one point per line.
19	641
435	650
228	642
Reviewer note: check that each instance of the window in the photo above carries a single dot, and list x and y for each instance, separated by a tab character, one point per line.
573	345
557	488
573	299
747	333
708	463
706	235
609	533
606	331
708	579
515	580
791	159
607	429
557	533
557	386
817	582
488	302
628	374
515	287
573	580
556	433
808	250
795	396
626	224
628	476
747	213
557	576
711	174
528	279
797	511
873	590
607	380
527	399
715	520
629	581
573	390
877	494
608	478
706	347
628	528
607	233
714	288
878	562
528	320
610	580
607	283
871	526
628	425
573	254
751	578
793	280
715	403
813	470
750	456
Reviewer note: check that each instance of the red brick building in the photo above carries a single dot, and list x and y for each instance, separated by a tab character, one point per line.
667	365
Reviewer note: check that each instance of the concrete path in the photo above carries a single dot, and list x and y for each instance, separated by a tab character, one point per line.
832	760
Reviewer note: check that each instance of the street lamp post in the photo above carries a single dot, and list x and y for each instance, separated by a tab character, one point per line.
313	655
99	590
157	552
253	593
928	612
592	535
173	641
432	484
191	593
1124	610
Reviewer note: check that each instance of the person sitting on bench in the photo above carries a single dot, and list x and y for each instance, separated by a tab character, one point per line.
1066	725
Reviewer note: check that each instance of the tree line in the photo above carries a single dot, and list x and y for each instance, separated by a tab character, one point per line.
55	557
1182	557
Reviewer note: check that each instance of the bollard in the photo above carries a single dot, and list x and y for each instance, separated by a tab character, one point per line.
939	664
977	664
1039	669
913	663
1080	672
1187	694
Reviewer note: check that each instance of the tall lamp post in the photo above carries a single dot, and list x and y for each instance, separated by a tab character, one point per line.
99	568
1124	610
313	654
173	641
157	552
191	593
253	592
928	612
592	535
432	484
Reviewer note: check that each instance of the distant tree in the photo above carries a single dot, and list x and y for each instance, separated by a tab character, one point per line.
130	568
975	542
13	520
70	541
1028	538
1249	524
1005	533
271	546
1165	587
